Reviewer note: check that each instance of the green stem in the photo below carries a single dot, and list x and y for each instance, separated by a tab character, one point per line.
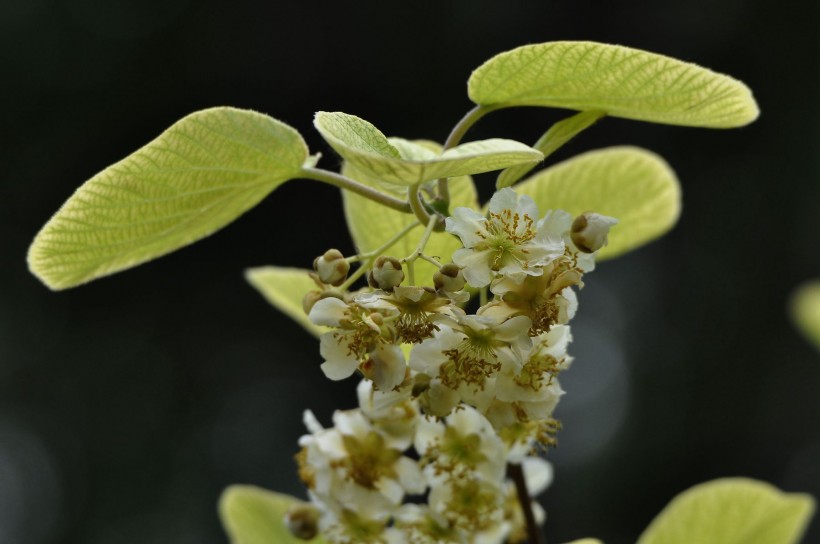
515	472
374	253
458	132
410	260
344	182
416	205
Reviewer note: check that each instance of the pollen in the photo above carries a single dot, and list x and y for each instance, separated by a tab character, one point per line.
368	459
466	366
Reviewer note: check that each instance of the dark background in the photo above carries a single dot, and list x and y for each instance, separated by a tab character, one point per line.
127	405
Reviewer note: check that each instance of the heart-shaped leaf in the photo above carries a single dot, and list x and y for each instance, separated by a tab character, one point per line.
621	81
195	178
364	146
731	511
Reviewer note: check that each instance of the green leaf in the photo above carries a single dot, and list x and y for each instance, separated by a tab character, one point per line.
365	147
731	511
251	515
586	541
621	81
195	178
558	134
805	310
371	225
635	186
285	288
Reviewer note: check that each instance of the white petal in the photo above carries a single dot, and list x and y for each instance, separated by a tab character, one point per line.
505	199
328	312
475	266
466	223
339	364
538	475
410	476
388	367
310	421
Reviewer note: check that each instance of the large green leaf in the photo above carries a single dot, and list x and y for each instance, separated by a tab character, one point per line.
364	146
285	288
251	515
731	511
621	81
805	310
371	225
195	178
558	134
633	185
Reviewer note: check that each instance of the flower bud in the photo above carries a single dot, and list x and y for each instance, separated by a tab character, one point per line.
589	231
312	297
449	278
302	519
331	267
386	274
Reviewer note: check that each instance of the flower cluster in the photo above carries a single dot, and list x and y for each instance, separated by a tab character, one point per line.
450	399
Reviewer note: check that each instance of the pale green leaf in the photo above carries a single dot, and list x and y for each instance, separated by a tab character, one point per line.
731	511
365	147
285	288
553	139
195	178
635	186
251	515
621	81
371	225
805	310
586	541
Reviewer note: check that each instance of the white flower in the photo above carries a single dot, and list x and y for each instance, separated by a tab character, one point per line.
472	351
360	342
466	441
510	241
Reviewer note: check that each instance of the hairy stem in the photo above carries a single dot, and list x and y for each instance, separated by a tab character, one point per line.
344	182
534	535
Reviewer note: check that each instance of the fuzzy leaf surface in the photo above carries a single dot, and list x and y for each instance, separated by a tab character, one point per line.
284	288
553	139
635	186
371	225
364	146
621	81
196	177
805	310
251	515
731	511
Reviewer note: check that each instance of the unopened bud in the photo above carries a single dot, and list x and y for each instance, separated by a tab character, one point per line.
303	520
386	274
589	231
331	267
449	278
312	297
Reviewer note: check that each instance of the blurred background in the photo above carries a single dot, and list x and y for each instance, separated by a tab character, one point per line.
128	404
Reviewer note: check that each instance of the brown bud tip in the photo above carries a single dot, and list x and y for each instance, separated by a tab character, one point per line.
449	278
331	267
385	274
589	231
302	520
